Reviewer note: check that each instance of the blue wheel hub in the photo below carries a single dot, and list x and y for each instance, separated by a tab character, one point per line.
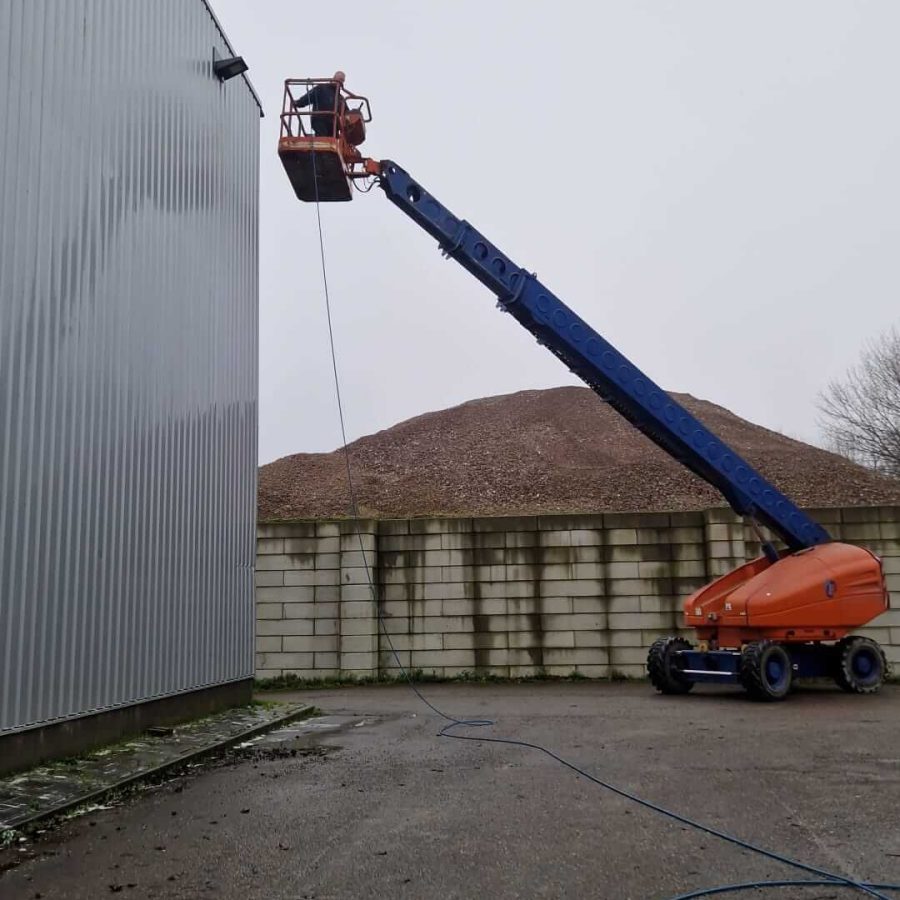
776	671
865	666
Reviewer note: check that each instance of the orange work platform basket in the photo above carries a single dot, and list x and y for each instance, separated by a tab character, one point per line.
321	129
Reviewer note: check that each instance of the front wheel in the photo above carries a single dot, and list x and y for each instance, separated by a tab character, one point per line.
765	670
861	665
665	675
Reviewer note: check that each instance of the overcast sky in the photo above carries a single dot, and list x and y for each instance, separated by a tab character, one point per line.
713	185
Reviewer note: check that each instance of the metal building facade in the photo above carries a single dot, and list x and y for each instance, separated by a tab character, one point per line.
128	360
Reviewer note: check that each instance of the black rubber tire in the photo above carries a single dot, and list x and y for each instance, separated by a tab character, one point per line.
766	671
664	675
861	665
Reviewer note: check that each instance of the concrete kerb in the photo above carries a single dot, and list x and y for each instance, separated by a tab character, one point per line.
100	794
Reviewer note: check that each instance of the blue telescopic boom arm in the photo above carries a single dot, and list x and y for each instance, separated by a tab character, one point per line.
628	390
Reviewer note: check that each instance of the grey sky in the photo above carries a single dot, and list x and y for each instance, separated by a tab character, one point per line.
712	185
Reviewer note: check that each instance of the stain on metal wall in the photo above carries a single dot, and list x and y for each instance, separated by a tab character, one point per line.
128	361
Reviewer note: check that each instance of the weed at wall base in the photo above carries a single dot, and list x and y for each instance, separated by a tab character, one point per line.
289	681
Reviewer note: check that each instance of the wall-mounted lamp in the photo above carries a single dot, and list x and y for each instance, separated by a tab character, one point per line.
224	69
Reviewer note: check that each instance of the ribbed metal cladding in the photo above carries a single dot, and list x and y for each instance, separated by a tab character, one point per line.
128	361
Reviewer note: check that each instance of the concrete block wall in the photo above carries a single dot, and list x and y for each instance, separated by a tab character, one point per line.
509	596
311	584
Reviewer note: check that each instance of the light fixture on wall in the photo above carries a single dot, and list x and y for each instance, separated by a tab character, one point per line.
227	68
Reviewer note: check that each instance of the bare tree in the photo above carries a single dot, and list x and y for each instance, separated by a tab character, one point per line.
860	414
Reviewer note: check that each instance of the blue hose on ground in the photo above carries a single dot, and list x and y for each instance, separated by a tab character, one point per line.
755	885
833	878
829	879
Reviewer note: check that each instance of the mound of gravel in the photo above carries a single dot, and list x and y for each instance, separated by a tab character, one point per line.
557	450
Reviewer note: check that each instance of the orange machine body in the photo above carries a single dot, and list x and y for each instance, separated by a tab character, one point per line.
818	594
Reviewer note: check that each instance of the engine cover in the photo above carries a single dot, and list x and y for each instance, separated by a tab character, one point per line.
817	594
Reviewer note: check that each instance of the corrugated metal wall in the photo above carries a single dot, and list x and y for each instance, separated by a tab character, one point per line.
128	361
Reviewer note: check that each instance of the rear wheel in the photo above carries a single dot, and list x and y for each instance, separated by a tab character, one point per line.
861	665
665	675
765	670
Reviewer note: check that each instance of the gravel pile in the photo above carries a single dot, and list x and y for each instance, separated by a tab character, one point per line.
556	450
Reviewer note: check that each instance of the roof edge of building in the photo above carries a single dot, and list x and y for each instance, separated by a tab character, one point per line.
229	45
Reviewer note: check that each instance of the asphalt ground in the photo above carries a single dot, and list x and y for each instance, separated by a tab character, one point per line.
367	802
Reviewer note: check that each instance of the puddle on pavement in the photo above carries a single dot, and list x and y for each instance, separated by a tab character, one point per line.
312	737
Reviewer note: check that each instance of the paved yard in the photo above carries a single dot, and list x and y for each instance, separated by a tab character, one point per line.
381	808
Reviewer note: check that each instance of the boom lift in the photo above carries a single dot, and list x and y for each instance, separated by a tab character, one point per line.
785	615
